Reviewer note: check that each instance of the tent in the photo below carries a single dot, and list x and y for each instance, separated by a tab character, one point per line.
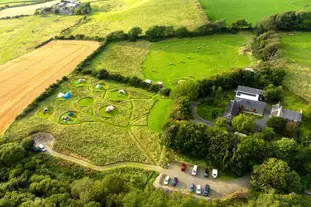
109	108
148	81
70	113
67	95
60	95
98	86
122	92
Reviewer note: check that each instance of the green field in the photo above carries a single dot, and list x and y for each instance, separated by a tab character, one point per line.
179	59
251	10
113	15
125	58
91	133
159	114
296	50
20	36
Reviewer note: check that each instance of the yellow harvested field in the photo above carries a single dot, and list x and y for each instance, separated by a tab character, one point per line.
26	77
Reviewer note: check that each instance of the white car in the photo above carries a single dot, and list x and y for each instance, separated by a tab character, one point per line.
195	170
199	190
167	180
42	148
215	173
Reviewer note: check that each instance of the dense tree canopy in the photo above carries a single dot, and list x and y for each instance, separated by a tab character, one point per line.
243	123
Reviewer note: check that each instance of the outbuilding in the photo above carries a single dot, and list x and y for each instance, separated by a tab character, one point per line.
109	108
148	81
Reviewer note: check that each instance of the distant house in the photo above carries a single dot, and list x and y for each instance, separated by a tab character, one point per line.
246	100
278	111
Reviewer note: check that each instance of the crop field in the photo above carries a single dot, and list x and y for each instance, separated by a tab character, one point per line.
251	10
91	133
26	77
179	59
20	36
115	15
25	10
296	50
13	3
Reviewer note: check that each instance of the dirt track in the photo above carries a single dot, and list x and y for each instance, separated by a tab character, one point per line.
26	77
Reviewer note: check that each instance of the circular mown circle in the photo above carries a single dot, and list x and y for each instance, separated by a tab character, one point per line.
45	112
87	101
69	117
117	95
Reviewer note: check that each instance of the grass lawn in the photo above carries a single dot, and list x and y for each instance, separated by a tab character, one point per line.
125	58
179	59
296	50
20	36
211	109
113	15
159	114
251	10
91	133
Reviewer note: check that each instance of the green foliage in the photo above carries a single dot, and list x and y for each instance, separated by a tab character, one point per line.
267	133
134	33
11	153
181	109
83	9
274	94
266	46
186	89
275	174
243	123
241	24
285	148
278	124
27	143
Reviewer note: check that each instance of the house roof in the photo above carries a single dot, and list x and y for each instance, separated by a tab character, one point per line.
258	105
232	109
291	115
250	90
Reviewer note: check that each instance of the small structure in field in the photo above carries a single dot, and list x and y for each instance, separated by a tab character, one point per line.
122	91
99	86
46	109
70	114
291	116
67	96
81	80
160	84
60	95
249	69
109	109
65	118
148	81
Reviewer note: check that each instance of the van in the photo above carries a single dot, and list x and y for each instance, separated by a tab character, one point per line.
195	170
215	173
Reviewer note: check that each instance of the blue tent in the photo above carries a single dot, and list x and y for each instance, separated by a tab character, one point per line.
70	113
67	95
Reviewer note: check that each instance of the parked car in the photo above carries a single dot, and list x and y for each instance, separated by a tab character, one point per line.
206	172
191	189
195	170
206	190
174	181
199	190
42	148
183	167
215	173
167	180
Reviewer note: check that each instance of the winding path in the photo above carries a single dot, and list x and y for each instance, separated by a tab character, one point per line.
197	119
219	188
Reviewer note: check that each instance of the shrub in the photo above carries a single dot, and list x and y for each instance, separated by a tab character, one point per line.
278	124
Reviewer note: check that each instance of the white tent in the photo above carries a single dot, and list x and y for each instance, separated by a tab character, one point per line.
60	95
109	108
98	86
160	83
122	92
148	81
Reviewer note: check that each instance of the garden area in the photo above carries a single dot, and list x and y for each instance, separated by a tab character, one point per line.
102	122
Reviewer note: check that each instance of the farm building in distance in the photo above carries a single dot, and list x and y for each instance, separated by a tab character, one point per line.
278	111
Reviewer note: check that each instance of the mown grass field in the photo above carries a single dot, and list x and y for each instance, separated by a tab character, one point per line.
179	59
113	15
251	10
20	36
296	51
92	134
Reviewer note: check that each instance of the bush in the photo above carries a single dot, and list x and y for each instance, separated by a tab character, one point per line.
243	123
278	124
165	91
273	94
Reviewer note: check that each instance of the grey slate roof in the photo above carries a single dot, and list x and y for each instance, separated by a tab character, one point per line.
232	109
258	105
291	115
250	90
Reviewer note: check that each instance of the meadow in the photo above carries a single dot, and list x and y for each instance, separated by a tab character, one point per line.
111	15
20	36
296	51
180	59
251	10
91	133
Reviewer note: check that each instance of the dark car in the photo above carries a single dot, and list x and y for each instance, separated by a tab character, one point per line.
174	181
183	167
191	189
206	172
206	190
